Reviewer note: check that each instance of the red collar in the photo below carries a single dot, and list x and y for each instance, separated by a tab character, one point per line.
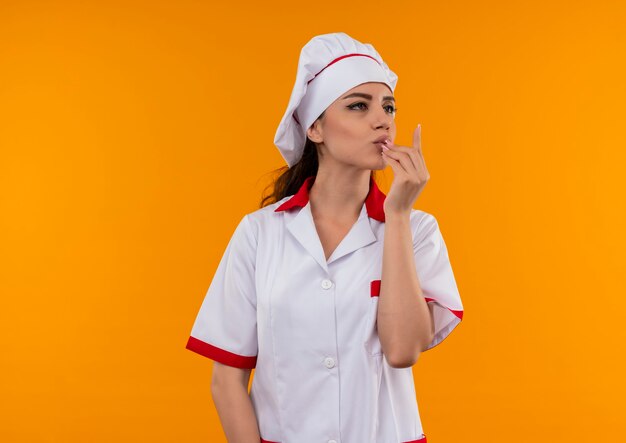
373	202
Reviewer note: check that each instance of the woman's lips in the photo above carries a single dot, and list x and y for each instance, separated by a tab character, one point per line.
383	139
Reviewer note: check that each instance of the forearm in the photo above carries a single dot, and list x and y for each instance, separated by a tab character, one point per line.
236	413
404	319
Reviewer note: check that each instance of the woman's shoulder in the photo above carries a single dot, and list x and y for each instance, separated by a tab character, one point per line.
419	217
266	215
423	224
268	210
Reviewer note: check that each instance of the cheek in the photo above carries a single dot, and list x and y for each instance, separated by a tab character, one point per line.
356	133
341	137
340	131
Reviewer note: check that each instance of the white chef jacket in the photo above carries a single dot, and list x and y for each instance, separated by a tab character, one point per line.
308	325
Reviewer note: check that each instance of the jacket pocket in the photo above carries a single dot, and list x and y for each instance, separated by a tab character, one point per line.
372	341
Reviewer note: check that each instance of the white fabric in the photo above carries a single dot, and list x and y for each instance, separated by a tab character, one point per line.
313	93
320	373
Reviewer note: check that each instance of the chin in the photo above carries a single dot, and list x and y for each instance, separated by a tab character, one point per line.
380	165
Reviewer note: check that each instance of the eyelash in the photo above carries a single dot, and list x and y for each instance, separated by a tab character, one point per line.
362	103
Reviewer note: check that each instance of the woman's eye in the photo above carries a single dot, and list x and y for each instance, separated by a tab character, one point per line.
353	106
389	108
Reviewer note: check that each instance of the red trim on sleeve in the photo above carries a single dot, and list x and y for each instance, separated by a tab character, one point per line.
375	292
220	355
267	441
457	313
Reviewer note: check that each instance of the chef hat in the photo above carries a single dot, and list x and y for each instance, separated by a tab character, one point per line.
329	65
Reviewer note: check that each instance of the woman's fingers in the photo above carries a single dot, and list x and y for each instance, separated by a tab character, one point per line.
395	164
404	157
417	138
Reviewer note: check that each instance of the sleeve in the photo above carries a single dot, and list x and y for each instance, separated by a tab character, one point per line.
436	278
225	329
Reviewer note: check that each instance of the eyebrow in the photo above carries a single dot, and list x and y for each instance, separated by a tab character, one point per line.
367	96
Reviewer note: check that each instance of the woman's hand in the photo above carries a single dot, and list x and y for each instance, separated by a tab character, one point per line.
410	175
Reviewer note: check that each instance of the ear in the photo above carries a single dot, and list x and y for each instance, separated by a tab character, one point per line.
314	133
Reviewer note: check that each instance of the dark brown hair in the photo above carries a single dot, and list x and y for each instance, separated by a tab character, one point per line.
289	180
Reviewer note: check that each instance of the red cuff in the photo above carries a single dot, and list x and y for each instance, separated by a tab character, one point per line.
459	314
221	355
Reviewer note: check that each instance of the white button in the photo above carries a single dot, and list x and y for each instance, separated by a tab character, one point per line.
329	362
327	284
332	441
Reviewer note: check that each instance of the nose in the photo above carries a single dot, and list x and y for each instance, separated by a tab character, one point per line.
382	119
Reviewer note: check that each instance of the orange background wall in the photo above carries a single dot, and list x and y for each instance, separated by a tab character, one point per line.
135	134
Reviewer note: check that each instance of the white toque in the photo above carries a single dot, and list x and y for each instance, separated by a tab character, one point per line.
329	65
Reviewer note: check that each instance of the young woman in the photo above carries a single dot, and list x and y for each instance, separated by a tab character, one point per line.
332	289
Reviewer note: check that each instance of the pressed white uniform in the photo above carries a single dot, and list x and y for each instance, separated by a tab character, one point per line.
308	326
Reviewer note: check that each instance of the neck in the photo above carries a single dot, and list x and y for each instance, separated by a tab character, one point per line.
339	195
